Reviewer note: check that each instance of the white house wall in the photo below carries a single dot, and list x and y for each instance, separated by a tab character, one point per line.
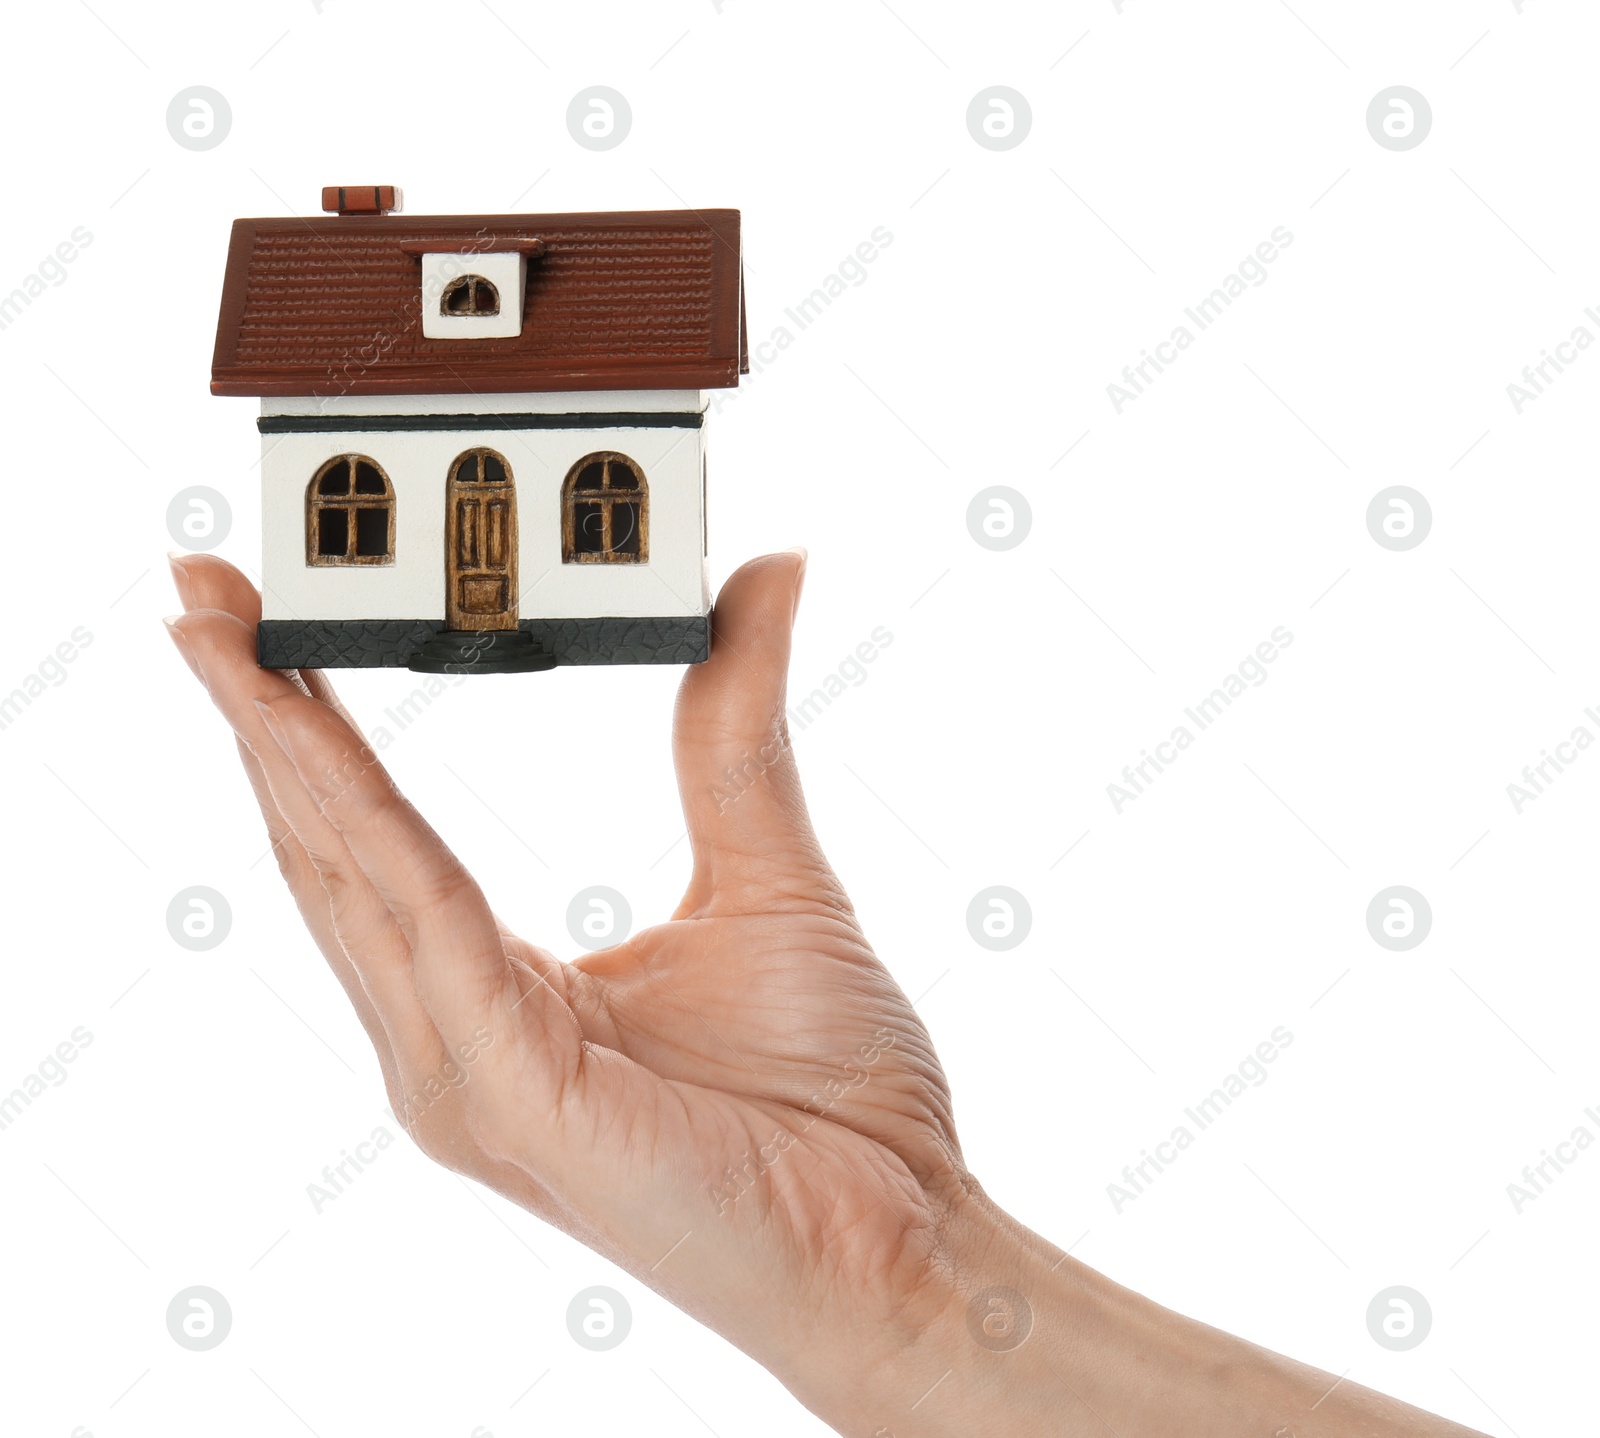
672	582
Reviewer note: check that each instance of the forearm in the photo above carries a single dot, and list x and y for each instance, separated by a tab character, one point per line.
1022	1340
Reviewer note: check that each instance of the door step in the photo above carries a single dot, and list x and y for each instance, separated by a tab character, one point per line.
482	651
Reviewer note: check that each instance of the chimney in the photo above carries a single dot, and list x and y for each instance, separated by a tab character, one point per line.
360	199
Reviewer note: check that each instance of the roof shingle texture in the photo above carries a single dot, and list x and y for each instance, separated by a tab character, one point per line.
332	306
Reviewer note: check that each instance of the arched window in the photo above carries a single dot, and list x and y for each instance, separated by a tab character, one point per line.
605	511
350	513
480	466
470	295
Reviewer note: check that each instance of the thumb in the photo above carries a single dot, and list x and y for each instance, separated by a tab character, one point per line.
754	848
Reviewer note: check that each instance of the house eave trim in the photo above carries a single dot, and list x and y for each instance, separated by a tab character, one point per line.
378	423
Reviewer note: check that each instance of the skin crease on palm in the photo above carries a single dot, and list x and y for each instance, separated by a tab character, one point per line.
756	1031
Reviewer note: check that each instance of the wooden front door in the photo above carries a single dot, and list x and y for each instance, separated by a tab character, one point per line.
481	543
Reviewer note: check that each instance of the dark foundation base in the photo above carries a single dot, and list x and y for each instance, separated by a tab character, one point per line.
397	643
485	651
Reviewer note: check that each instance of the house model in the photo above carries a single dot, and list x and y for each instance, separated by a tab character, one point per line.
483	444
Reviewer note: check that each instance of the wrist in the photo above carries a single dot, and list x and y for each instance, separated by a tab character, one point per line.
980	1338
1009	1335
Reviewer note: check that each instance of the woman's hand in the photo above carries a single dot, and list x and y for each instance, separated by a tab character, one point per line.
738	1106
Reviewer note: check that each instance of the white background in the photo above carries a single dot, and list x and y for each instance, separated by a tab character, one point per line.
1166	143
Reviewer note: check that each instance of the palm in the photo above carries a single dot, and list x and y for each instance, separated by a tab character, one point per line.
764	1024
770	1008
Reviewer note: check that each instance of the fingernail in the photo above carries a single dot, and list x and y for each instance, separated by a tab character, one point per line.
799	579
180	578
181	640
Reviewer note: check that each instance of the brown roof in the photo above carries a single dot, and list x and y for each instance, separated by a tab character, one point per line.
626	300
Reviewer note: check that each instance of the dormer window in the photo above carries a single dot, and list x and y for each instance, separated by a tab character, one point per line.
476	292
470	295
